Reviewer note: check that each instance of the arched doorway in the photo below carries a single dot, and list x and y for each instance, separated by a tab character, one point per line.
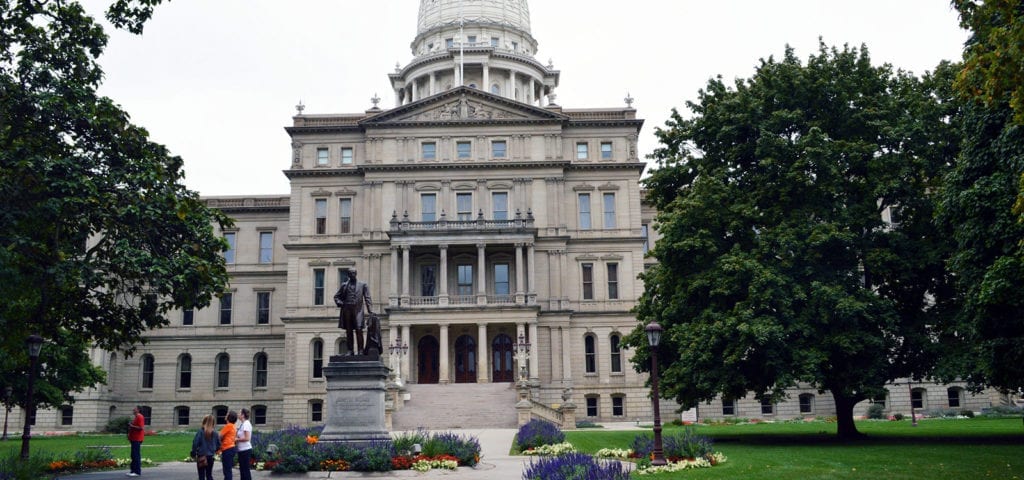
465	359
427	360
502	359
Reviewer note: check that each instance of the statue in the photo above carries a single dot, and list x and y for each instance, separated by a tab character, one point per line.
351	298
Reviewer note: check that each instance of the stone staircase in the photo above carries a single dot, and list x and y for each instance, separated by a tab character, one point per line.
457	405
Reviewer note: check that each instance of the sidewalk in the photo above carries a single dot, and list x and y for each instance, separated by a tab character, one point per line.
495	464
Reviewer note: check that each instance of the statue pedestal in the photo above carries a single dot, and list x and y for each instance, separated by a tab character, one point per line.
355	399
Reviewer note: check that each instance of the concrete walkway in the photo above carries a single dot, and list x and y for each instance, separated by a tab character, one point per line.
495	464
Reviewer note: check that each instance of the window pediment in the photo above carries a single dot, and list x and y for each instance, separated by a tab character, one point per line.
586	187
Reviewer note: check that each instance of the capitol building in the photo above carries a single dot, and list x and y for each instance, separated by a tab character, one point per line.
500	233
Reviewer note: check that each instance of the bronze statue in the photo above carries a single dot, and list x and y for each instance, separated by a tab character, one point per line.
352	297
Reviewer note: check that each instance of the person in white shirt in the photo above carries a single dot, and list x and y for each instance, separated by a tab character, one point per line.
243	442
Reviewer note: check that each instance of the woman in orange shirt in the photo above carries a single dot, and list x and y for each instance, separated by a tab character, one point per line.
227	444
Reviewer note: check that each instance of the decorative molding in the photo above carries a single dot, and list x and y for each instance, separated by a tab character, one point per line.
586	187
320	192
608	186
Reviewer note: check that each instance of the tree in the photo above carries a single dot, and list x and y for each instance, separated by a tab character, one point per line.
776	268
99	238
992	72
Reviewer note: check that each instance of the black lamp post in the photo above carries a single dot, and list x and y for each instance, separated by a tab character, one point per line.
7	405
34	344
653	339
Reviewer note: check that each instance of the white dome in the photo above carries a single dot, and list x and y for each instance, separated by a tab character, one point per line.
442	13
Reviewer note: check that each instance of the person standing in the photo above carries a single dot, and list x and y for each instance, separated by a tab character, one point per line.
204	446
136	433
227	451
352	297
244	445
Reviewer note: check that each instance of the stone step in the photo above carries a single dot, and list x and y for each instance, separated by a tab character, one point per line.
457	405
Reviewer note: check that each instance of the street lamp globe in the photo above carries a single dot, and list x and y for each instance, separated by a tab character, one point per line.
653	334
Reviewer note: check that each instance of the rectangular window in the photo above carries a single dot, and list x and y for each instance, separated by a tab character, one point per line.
428	280
618	406
182	416
223	370
463	149
147	414
259	415
318	359
609	210
266	247
147	371
67	415
225	309
229	254
188	316
471	38
346	155
616	349
185	372
606	150
588	281
465	280
345	215
806	403
464	206
449	42
428	207
590	354
260	371
953	396
429	150
584	207
262	308
581	151
499	149
728	407
318	286
766	406
613	281
321	216
645	237
322	157
494	41
499	205
591	406
316	412
501	286
515	46
917	398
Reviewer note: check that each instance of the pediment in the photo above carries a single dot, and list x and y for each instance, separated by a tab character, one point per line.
464	104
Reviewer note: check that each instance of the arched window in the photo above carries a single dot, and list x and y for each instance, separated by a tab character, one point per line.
220	412
185	371
259	414
917	398
259	369
615	348
181	415
590	353
318	358
806	403
223	365
496	89
146	366
728	406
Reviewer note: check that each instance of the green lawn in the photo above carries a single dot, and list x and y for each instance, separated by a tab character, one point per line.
978	448
159	448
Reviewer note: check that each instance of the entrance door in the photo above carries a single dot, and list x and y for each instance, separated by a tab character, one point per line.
465	359
502	359
427	360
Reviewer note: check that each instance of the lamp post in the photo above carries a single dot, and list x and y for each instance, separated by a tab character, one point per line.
398	349
522	350
34	344
653	339
7	406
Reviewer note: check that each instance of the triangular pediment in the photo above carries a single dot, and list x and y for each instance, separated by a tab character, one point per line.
464	104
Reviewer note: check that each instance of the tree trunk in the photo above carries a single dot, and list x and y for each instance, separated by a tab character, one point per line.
846	430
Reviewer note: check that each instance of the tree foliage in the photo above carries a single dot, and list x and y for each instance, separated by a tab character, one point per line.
775	266
993	69
99	238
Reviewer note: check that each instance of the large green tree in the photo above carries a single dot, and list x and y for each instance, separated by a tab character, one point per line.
775	267
99	238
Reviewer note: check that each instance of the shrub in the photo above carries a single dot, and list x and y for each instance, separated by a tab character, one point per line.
642	445
117	425
897	416
404	442
876	411
587	424
466	450
375	457
967	413
12	467
574	466
675	446
1002	411
537	433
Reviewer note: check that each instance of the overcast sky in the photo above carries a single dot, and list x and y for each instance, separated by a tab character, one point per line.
216	81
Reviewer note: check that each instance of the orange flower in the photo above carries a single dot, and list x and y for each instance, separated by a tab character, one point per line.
310	439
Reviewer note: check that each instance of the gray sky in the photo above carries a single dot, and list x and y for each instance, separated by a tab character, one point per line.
216	81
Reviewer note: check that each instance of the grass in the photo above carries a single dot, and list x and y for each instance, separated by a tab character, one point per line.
936	448
163	447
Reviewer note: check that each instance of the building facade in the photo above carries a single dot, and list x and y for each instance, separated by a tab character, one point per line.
482	215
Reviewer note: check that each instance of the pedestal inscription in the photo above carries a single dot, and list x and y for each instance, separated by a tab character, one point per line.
355	399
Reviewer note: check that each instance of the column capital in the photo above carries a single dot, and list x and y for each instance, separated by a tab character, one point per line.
443	246
481	246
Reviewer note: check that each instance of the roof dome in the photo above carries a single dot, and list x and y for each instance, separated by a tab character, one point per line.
442	13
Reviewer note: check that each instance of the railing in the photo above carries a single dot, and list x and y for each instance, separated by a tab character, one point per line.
448	225
501	299
419	301
462	300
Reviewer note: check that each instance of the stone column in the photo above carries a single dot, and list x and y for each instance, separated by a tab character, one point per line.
442	287
443	356
482	354
398	97
405	274
415	91
531	267
555	334
481	288
531	97
406	359
534	352
393	297
433	83
519	275
566	355
487	79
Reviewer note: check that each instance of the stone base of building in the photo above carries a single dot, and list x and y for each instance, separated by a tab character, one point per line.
355	400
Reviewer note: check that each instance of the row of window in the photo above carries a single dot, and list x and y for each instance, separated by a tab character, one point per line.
608	204
618	405
266	247
499	149
611	277
583	150
590	353
181	415
222	371
323	156
225	310
918	397
464	206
